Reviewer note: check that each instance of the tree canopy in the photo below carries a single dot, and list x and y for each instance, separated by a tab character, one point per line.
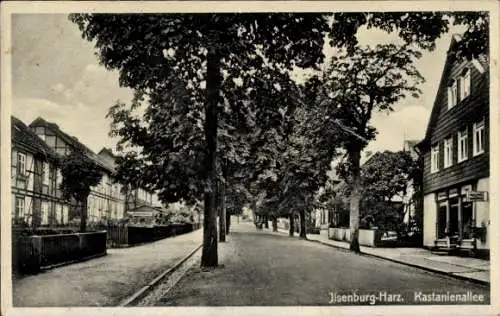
79	174
221	105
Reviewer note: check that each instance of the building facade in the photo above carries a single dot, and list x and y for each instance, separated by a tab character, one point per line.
135	198
35	180
106	200
456	158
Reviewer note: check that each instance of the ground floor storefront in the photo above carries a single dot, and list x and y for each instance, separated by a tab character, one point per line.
457	217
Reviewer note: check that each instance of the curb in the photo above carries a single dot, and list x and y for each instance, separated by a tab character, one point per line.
459	277
140	294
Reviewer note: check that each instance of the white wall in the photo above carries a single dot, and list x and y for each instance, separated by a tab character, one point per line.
483	212
430	219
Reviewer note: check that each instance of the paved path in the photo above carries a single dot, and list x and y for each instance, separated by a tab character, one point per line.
104	281
461	267
261	268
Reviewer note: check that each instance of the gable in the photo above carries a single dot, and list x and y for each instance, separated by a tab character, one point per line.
440	113
72	142
22	137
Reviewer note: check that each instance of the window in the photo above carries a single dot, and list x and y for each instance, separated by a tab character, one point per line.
58	178
45	213
21	164
19	208
46	173
465	85
435	158
452	94
448	152
65	215
51	141
478	141
462	147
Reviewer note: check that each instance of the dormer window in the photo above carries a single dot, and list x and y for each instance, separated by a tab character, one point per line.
452	94
465	84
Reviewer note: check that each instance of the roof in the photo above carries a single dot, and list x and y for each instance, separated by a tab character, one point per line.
107	151
73	142
481	62
23	137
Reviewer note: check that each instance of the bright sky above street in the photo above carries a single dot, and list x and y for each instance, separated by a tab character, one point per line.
56	75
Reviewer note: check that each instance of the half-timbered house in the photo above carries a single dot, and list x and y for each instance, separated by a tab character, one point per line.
106	200
36	197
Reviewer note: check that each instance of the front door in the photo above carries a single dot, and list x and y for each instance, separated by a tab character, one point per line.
441	220
453	220
467	220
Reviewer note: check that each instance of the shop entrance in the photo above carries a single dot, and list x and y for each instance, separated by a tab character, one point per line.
467	220
453	219
441	220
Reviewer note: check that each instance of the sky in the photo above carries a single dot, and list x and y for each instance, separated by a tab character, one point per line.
56	75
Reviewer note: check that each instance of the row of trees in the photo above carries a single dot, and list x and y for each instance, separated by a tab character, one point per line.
222	112
387	179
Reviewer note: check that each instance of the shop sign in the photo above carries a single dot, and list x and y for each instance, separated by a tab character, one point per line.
476	196
442	196
465	189
453	193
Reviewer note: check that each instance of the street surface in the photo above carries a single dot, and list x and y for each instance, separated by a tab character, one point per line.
262	268
104	281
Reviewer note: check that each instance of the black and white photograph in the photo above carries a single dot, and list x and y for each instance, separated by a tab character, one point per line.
191	155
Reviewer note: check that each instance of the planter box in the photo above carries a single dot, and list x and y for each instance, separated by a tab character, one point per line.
369	237
340	234
34	253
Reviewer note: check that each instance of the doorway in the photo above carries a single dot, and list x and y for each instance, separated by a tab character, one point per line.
441	220
467	220
453	219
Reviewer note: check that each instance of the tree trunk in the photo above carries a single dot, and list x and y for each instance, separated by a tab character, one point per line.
302	218
354	159
291	229
83	215
228	222
266	222
275	224
209	256
222	215
125	207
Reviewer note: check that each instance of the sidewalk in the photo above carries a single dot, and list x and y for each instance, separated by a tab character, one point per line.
476	270
104	281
